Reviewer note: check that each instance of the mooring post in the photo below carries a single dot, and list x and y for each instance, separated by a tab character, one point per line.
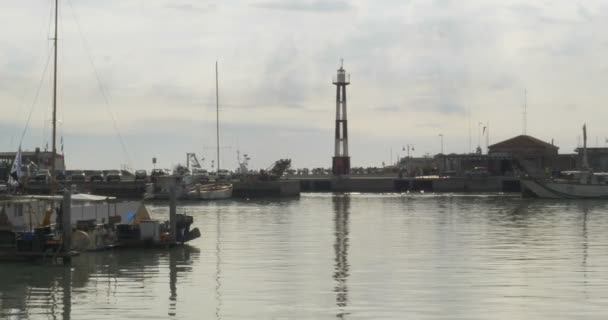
172	214
67	224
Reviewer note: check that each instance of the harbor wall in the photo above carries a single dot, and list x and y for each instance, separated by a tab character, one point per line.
277	188
392	184
119	189
294	185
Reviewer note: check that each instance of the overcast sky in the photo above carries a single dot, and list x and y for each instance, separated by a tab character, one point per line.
418	69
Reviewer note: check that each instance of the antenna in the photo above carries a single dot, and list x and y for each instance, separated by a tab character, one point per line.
469	114
217	116
525	114
488	137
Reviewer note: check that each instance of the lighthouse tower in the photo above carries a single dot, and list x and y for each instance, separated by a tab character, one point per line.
341	160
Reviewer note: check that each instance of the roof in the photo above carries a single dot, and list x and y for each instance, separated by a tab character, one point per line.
78	197
523	141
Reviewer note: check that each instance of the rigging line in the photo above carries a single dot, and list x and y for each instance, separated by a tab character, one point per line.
100	85
47	35
48	30
29	116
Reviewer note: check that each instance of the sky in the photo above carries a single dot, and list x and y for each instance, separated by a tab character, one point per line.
136	78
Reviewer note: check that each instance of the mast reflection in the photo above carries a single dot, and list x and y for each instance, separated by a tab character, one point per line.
218	261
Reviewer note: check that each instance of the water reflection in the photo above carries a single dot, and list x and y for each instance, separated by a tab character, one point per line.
36	290
442	257
585	208
218	261
27	285
341	205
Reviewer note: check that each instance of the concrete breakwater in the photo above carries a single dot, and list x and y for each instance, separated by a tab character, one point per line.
119	189
136	189
292	186
393	184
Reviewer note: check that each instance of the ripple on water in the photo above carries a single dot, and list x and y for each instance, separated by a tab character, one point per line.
359	256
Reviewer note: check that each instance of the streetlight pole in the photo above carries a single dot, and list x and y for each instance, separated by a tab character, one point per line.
441	137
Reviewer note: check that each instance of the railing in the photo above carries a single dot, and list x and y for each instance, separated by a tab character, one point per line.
341	78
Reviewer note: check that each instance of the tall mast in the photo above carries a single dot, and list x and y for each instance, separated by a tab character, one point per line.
54	150
217	117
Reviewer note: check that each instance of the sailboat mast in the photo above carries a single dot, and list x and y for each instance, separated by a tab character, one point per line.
54	150
585	160
217	117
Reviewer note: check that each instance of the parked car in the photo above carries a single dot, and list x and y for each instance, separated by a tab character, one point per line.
157	173
223	174
477	172
77	175
141	175
113	175
96	176
200	175
42	176
60	175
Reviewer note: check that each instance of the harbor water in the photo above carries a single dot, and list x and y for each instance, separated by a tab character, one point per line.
346	256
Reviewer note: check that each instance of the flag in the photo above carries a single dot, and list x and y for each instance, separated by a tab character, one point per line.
16	172
484	130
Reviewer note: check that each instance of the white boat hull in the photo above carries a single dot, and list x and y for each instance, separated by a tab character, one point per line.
211	193
564	190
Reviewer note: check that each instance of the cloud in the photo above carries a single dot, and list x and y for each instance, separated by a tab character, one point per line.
416	64
583	12
192	7
306	5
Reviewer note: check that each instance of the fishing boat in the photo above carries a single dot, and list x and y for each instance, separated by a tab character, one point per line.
31	226
188	185
42	226
211	191
582	184
45	239
573	185
216	190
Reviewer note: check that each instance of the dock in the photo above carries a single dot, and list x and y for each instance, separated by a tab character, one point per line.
276	188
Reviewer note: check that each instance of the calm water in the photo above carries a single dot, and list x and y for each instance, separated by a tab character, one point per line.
356	256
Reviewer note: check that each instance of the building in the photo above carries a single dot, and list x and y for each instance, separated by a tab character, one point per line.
421	166
475	164
511	157
32	161
530	154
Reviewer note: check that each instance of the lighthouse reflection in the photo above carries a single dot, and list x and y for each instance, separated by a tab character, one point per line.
341	205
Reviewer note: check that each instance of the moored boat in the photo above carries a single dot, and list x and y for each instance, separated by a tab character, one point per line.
583	184
575	185
212	191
